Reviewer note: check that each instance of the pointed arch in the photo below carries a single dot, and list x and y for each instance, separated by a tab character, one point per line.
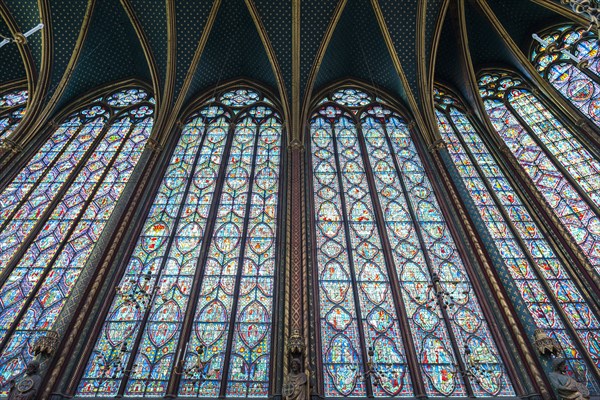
13	106
56	208
561	167
526	259
383	252
567	56
199	283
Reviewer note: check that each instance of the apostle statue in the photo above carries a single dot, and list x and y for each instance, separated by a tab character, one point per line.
26	388
566	387
295	387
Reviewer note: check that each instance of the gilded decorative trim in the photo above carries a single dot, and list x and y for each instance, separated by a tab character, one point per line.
57	92
416	112
341	5
46	63
89	300
558	8
148	54
164	109
296	16
437	34
264	37
192	68
488	269
471	84
24	49
424	82
427	98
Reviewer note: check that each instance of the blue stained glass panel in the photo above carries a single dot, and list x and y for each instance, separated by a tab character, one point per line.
12	110
57	208
525	275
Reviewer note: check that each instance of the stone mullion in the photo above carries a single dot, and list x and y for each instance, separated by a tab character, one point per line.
538	208
310	235
447	321
540	278
557	164
524	348
145	193
351	267
396	290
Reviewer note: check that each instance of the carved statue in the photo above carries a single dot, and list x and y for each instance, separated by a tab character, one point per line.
566	387
27	387
295	387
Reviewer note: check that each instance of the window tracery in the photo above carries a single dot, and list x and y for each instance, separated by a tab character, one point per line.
12	109
54	212
386	259
578	82
199	285
561	167
535	271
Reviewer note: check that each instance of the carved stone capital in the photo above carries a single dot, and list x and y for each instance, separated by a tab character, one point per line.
505	150
154	145
437	145
296	343
8	145
544	344
296	145
46	345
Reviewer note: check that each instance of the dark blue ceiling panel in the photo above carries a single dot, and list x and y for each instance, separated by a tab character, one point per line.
27	15
234	50
12	63
67	22
315	17
401	20
191	17
521	18
359	53
432	14
276	17
111	52
152	16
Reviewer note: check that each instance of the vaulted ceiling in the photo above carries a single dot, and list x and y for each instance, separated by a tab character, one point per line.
181	48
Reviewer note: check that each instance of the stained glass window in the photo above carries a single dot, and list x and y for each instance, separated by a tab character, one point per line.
563	170
54	212
531	267
12	110
387	264
199	284
577	78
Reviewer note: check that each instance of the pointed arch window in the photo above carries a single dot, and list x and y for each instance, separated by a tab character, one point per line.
12	109
193	312
577	81
530	265
564	171
54	211
383	253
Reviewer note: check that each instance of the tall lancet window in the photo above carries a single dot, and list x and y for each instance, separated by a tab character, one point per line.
561	167
393	289
567	56
53	213
12	110
193	313
530	267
